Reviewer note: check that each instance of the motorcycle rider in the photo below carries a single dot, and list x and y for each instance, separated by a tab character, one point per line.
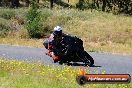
61	45
54	43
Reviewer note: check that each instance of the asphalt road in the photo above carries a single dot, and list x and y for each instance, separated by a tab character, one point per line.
103	61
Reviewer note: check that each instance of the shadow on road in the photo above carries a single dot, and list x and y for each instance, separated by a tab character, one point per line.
96	66
80	64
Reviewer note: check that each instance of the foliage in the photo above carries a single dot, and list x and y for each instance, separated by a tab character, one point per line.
7	14
85	4
115	6
4	29
33	20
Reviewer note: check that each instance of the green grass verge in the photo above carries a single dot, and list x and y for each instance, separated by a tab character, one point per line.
29	74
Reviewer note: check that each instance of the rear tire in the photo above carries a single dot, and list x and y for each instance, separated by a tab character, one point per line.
88	59
60	63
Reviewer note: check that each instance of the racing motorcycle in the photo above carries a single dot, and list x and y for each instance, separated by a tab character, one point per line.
72	50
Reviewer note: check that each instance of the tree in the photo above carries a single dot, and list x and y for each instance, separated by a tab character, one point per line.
96	3
15	3
27	3
0	2
33	18
37	1
51	4
104	5
80	4
68	1
81	1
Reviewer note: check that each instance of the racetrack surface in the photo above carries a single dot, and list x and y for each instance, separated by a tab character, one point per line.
103	61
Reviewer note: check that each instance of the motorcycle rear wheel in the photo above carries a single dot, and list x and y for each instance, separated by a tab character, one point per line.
87	59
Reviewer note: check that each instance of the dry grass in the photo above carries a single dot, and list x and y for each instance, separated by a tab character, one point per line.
101	32
90	46
113	48
23	42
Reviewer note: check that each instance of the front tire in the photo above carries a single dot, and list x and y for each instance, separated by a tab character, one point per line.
45	43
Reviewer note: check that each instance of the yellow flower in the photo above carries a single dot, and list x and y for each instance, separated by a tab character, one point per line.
103	72
27	74
42	73
94	85
65	78
39	71
24	69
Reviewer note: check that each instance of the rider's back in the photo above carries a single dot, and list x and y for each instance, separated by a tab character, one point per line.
71	40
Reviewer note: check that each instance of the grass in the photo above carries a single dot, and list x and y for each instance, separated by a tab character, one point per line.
23	42
100	31
29	74
91	46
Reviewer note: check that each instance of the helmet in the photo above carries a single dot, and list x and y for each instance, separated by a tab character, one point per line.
57	31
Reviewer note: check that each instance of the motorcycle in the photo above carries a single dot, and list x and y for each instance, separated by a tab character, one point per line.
72	51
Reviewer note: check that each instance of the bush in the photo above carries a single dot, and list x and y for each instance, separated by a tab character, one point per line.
4	28
115	10
80	5
7	14
33	20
